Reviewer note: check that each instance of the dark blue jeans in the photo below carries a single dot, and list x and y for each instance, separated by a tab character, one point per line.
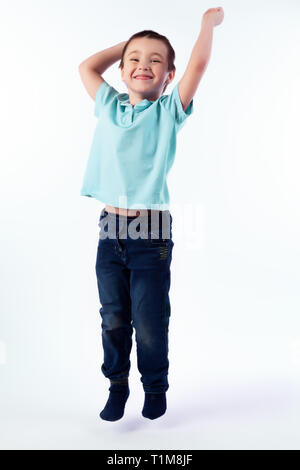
133	277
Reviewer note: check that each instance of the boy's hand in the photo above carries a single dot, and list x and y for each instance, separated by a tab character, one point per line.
215	15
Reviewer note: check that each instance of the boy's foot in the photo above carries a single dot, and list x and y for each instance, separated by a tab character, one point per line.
115	405
155	405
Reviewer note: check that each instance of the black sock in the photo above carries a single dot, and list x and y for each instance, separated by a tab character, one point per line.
115	405
155	405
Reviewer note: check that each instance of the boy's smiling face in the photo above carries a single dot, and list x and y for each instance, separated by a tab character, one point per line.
148	57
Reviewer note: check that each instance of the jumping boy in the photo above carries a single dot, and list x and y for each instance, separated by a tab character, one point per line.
132	152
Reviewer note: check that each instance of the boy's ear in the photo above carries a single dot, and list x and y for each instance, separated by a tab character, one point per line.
171	77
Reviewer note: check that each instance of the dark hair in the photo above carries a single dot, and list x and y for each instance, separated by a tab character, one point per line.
152	35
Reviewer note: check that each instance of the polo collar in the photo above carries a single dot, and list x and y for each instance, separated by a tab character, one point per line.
124	101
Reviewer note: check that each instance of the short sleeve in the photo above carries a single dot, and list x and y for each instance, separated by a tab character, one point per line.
173	104
105	94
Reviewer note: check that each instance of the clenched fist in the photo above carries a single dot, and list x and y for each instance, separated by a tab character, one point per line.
216	15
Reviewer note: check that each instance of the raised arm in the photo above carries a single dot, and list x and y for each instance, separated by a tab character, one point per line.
200	56
104	59
92	68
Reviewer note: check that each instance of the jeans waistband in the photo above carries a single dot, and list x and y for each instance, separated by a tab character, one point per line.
155	215
155	222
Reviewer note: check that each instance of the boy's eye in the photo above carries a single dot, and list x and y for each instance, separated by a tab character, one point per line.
153	60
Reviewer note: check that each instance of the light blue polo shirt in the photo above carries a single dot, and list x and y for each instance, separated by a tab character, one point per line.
133	149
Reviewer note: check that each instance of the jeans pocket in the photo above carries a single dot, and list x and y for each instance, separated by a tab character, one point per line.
157	239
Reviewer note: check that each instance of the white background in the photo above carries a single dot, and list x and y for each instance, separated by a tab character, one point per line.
234	335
